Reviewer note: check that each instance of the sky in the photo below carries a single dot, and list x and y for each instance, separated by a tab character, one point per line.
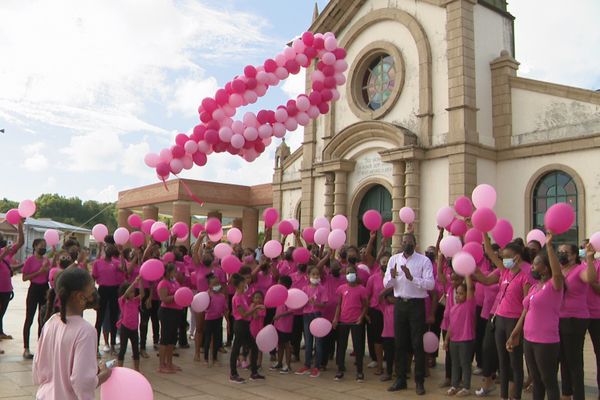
87	88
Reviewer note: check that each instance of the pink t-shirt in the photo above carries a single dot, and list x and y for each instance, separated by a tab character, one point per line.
462	321
32	265
52	276
257	322
130	313
6	272
135	272
543	308
217	307
331	283
351	306
299	280
107	273
284	324
490	293
450	293
364	273
576	295
484	267
388	320
65	365
183	273
264	281
239	300
511	292
286	267
318	294
593	299
200	278
374	289
172	287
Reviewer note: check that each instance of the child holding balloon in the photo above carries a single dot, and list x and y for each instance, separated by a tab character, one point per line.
258	319
213	319
283	322
129	304
387	334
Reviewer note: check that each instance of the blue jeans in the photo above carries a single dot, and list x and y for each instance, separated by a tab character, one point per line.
308	342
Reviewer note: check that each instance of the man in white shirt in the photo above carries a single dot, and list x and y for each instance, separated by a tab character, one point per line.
410	274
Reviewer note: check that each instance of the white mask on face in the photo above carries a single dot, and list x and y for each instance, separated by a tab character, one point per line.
351	277
315	281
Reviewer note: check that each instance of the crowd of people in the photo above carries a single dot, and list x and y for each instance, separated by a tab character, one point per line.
526	301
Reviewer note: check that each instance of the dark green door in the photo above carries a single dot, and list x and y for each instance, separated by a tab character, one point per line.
377	198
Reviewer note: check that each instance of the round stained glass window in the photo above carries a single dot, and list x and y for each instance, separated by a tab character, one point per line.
379	81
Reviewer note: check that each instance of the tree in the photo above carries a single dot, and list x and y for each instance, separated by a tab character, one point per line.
6	205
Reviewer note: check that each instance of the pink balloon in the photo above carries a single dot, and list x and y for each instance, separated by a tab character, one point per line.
336	239
234	235
216	237
463	206
321	222
431	342
26	208
200	302
295	224
152	270
388	230
121	236
321	236
463	263
168	257
99	231
231	264
12	216
444	217
184	296
52	237
270	216
276	296
458	227
158	225
407	215
126	384
213	225
301	255
267	338
339	222
475	249
296	299
161	235
286	228
595	241
559	218
538	236
320	327
147	226
272	249
484	219
474	235
308	234
502	232
372	220
152	160
222	250
484	196
450	245
134	221
180	230
137	239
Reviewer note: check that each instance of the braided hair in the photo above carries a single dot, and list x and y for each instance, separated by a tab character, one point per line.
70	281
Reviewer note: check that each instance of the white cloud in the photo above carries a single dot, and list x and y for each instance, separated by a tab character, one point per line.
189	92
294	84
104	195
35	160
132	161
96	151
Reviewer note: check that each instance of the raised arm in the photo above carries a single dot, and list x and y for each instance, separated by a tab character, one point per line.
369	250
441	276
590	274
487	245
470	287
558	279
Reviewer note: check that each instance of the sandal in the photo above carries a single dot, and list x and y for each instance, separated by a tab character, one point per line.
452	391
483	392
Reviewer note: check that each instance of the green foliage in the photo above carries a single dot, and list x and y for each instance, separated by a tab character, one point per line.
6	205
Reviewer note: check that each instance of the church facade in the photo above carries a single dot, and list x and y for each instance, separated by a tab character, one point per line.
433	106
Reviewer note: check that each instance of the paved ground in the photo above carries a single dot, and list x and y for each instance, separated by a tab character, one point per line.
197	382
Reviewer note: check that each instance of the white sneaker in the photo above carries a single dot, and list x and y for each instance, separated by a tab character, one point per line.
106	348
372	364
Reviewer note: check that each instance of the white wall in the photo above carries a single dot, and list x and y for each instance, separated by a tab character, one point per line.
319	197
289	201
486	172
434	195
292	173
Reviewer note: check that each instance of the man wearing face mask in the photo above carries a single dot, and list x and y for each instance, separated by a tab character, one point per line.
410	274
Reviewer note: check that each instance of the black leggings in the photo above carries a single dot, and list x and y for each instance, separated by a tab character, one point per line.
389	355
329	342
358	343
5	298
448	359
374	330
572	337
36	298
594	329
297	330
213	331
242	337
510	364
542	361
479	335
182	329
109	300
145	316
169	319
133	336
490	354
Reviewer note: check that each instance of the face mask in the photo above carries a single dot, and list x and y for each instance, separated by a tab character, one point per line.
536	275
343	254
353	260
3	243
563	258
508	262
315	281
335	273
65	262
246	288
178	257
302	268
409	249
94	301
581	253
216	288
351	278
41	251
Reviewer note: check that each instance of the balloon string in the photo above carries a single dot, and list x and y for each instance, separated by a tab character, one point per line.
189	192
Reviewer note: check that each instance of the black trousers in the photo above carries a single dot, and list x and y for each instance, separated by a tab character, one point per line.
297	330
594	330
490	354
479	335
242	337
409	328
358	343
436	327
542	361
462	357
448	359
182	328
572	337
5	298
146	316
510	364
329	342
109	300
231	322
389	355
132	336
213	331
36	298
374	330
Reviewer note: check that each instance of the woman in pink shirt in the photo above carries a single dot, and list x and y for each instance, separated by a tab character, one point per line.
574	319
594	307
35	270
129	305
6	289
539	324
65	365
169	315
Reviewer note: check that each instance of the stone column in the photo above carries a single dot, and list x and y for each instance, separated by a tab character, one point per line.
412	188
503	69
150	212
398	201
182	212
123	214
329	194
250	227
341	193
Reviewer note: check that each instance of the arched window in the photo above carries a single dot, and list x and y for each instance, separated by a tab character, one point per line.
555	187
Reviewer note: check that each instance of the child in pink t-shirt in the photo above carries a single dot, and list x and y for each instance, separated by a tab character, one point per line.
387	336
258	319
460	339
283	322
129	304
213	324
